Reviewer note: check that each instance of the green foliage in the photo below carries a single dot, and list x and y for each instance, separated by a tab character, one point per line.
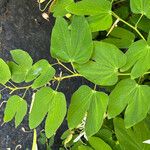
48	101
106	42
76	40
5	73
103	68
16	107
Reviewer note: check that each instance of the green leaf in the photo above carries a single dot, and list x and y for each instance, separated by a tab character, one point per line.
135	97
138	57
5	74
57	111
99	10
140	7
103	68
98	144
41	72
82	147
132	138
120	37
58	7
48	102
143	24
85	100
73	43
21	65
15	107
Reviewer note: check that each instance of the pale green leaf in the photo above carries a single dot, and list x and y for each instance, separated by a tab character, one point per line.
104	65
135	97
140	7
98	144
82	147
5	74
138	57
21	65
41	72
15	107
74	43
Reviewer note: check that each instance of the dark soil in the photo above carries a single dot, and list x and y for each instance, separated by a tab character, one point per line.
22	27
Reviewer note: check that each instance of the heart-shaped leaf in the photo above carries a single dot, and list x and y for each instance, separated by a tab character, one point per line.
73	43
135	97
104	66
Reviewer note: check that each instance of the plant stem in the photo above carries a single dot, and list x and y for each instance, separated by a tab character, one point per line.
65	67
128	24
67	77
45	6
136	25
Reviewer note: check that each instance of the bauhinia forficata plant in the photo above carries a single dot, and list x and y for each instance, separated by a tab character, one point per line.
106	42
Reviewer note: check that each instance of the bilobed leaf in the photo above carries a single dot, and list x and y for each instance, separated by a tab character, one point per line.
73	43
56	113
95	113
99	12
85	100
58	7
120	37
21	65
98	144
41	72
132	138
51	103
5	74
135	97
104	64
15	107
138	57
140	7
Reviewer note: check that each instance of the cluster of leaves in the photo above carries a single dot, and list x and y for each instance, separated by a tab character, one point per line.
109	48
